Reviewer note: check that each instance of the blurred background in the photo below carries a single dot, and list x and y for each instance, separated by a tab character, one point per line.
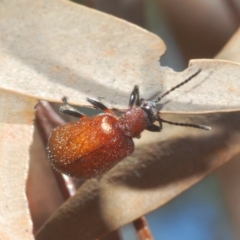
191	29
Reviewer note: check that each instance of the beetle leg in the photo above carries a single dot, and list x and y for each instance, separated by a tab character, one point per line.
160	123
154	128
100	106
134	97
69	110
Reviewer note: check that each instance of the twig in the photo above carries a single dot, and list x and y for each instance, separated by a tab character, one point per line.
46	120
142	229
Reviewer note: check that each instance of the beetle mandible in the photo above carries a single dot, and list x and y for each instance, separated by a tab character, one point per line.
93	145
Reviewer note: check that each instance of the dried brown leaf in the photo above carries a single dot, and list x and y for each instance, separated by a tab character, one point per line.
16	129
231	50
97	61
161	168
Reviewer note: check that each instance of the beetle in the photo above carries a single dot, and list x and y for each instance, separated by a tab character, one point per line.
93	145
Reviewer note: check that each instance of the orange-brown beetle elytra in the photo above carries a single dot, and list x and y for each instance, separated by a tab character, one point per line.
93	145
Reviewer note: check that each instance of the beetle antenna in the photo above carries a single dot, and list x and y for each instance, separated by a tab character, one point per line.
179	85
186	124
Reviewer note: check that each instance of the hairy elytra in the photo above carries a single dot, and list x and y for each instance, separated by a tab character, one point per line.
93	145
